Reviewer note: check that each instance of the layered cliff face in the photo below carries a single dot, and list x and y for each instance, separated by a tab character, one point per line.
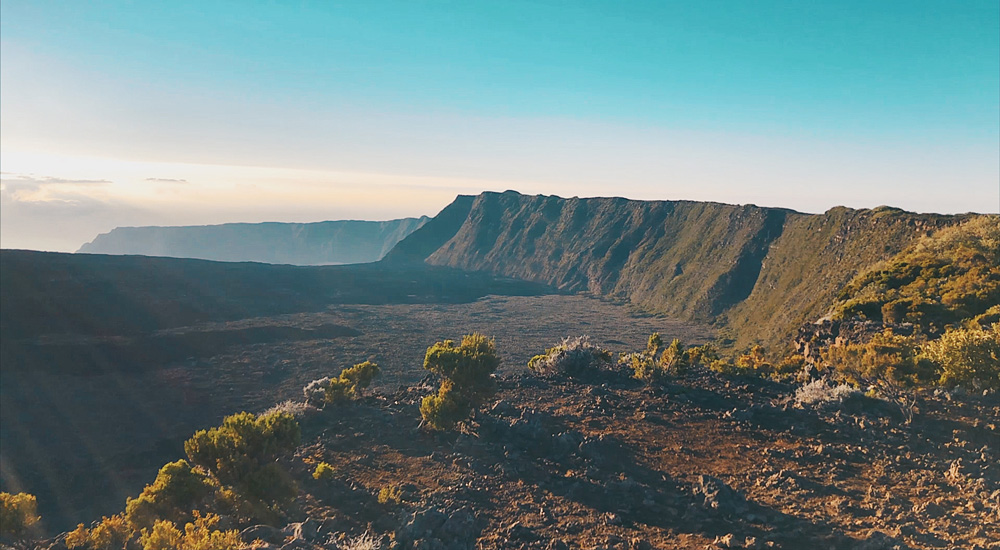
759	271
321	243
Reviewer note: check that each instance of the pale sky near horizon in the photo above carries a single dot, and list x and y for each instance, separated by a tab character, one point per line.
120	113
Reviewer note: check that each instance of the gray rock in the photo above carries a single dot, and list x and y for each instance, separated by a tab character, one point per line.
720	497
459	525
265	533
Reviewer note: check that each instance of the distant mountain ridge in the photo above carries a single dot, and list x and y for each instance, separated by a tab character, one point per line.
758	271
319	243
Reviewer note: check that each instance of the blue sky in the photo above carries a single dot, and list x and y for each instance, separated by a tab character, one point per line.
135	113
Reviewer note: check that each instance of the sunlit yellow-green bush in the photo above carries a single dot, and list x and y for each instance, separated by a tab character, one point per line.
467	369
351	383
968	356
18	513
754	362
177	490
704	354
242	451
112	533
445	409
390	494
655	363
361	375
942	279
674	360
887	356
323	471
200	534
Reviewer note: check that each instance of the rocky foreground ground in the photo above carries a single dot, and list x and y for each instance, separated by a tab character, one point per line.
609	462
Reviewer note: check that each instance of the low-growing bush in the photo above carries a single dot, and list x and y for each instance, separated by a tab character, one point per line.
366	541
967	356
112	533
338	392
723	367
242	452
886	356
467	369
315	391
323	471
177	490
298	409
360	375
789	367
704	354
754	362
390	494
444	410
345	388
821	393
572	357
18	514
200	534
656	363
674	360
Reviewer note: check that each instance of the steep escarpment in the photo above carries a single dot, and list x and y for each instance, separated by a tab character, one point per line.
686	258
320	243
759	271
812	260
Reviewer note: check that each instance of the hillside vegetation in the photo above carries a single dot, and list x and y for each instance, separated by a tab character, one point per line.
760	272
320	243
944	278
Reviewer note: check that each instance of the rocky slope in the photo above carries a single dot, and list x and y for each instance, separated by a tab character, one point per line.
605	461
321	243
761	271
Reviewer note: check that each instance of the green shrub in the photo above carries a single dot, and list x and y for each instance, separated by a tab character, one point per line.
655	363
704	354
467	370
988	318
653	344
339	391
968	356
642	365
944	278
674	360
18	514
177	490
754	362
888	357
242	453
445	409
112	533
789	366
78	538
390	494
200	534
323	471
572	357
723	367
351	382
164	535
360	375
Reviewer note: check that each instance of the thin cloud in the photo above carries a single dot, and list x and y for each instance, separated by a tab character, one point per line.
166	180
31	188
47	180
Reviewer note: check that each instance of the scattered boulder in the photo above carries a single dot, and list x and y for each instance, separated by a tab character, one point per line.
432	528
720	497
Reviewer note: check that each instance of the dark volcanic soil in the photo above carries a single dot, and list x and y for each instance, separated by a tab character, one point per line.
702	462
91	424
